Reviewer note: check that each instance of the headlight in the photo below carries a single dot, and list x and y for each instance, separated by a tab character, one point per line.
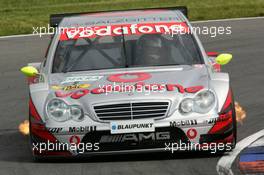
77	113
203	102
59	111
186	105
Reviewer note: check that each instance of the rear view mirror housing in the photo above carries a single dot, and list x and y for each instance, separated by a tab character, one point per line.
29	71
223	59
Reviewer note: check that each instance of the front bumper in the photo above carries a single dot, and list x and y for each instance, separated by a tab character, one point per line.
98	140
93	137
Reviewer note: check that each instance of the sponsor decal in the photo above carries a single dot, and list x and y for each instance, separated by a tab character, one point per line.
135	137
54	130
183	123
126	77
133	18
56	87
214	120
138	87
75	139
193	89
124	29
211	121
74	95
81	78
132	126
82	129
191	133
70	87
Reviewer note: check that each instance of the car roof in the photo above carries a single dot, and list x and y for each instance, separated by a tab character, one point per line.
123	17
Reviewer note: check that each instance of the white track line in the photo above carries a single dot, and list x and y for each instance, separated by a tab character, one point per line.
20	36
194	22
230	19
224	164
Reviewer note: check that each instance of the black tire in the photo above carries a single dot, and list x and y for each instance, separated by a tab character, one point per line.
234	122
30	137
35	158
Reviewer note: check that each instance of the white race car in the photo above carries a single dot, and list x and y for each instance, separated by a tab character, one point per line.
128	81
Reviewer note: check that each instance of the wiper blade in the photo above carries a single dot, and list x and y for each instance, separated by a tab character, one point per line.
124	47
156	65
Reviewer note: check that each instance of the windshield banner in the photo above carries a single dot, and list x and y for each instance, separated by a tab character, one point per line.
125	29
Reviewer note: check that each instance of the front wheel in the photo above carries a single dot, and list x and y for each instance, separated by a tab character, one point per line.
234	123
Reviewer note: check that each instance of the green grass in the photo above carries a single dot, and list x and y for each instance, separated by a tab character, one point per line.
19	16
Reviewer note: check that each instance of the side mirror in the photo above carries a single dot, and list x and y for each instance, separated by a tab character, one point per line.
29	71
223	59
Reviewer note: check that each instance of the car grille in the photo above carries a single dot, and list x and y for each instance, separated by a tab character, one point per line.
131	110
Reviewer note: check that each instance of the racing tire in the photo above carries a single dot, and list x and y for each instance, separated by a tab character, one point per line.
234	123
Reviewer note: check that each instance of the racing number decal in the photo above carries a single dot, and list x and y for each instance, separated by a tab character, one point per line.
191	133
120	78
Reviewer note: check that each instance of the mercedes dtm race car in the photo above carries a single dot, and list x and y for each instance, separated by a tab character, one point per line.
128	81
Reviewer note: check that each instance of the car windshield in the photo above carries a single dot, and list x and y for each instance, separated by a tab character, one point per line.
120	51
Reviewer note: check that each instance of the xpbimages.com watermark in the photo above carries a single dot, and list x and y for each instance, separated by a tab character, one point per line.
72	32
212	147
59	146
211	31
146	89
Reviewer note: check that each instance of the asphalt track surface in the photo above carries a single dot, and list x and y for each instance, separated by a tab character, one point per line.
247	75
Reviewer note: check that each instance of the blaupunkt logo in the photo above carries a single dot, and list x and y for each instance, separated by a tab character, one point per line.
114	126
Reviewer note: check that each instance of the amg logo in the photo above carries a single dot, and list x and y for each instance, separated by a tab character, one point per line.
183	123
82	129
136	137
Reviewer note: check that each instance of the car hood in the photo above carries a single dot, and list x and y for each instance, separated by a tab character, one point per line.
184	76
